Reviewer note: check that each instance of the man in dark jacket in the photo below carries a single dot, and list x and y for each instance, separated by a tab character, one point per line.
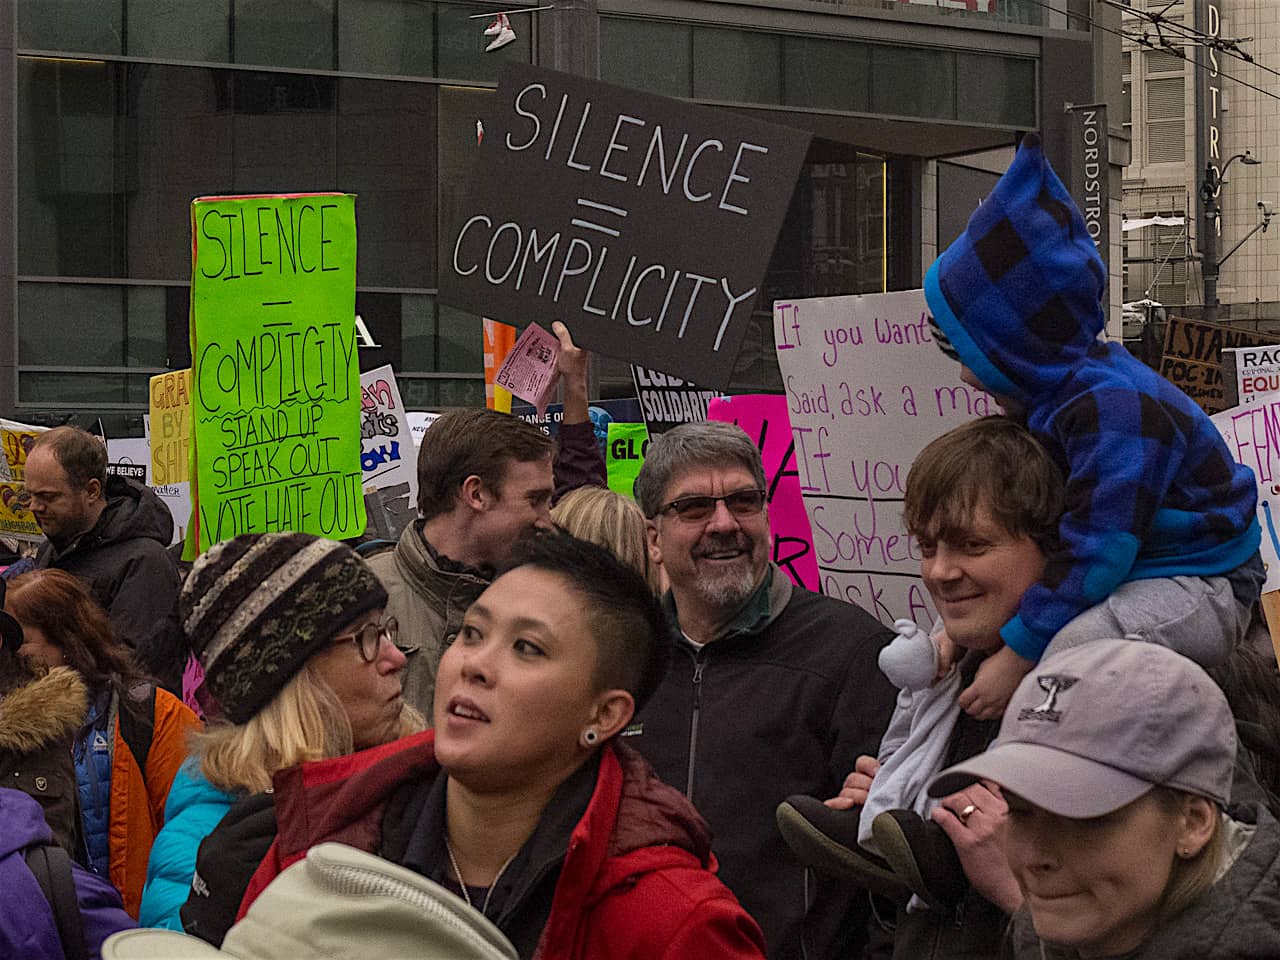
771	686
111	533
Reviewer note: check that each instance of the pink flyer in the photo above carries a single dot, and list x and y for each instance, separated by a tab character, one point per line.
529	371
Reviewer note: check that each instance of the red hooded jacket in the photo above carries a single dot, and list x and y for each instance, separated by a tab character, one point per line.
638	881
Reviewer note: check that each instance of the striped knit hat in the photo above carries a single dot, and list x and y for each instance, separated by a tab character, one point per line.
256	607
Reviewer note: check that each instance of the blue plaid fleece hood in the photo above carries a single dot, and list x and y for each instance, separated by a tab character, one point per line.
1019	293
1152	490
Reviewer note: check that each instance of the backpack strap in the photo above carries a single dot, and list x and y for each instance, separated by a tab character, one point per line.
51	867
138	723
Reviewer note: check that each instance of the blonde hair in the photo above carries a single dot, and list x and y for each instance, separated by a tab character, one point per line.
1189	879
612	521
304	721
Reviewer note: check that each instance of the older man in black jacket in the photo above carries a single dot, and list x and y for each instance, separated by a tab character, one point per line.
773	690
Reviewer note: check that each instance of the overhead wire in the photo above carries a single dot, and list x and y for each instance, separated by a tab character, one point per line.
1229	47
1146	42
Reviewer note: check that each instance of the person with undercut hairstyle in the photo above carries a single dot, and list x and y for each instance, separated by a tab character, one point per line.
522	799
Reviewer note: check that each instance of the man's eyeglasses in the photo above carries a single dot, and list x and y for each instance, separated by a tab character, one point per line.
741	503
368	639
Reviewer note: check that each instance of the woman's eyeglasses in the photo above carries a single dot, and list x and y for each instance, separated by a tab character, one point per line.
368	639
741	503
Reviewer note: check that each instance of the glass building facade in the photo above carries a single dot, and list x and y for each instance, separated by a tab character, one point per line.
125	110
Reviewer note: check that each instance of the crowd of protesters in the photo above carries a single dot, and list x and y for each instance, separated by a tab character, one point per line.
553	722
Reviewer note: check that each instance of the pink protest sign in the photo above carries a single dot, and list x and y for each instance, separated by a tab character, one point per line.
765	420
529	371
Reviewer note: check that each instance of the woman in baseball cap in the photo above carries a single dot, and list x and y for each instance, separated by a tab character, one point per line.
1115	762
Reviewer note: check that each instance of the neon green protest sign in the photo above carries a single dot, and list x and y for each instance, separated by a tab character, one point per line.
625	448
275	375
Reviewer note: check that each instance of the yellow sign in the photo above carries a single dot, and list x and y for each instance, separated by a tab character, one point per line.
15	505
171	428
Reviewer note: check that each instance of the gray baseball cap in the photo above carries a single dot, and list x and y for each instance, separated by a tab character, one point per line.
1093	728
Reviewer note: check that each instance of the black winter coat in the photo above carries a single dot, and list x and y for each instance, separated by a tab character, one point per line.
38	722
129	571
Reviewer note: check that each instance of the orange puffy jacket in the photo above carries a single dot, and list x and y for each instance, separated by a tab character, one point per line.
138	797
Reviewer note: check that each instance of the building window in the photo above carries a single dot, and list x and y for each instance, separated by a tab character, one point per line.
1156	260
817	73
110	155
1165	103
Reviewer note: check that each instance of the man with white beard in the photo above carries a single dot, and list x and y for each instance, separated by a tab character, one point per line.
771	686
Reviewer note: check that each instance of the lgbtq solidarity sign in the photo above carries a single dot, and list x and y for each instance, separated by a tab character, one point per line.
643	223
275	381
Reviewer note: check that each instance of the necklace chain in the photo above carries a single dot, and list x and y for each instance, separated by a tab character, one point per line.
457	872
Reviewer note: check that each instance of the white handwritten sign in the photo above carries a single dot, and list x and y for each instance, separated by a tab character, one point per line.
866	389
1252	433
387	454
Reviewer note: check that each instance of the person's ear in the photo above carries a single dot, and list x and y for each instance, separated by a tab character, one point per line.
93	489
613	711
652	541
472	493
1197	822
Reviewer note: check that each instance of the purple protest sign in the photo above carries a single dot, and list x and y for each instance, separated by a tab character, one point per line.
765	420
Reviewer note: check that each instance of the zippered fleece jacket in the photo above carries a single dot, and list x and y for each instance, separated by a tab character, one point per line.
782	702
637	882
1152	490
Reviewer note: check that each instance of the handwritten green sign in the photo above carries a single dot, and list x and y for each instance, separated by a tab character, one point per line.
275	376
624	456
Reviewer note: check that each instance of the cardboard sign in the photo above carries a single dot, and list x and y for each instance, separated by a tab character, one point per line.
170	427
866	389
387	454
642	222
275	383
1192	358
390	510
16	519
1257	370
668	401
1252	434
765	420
624	456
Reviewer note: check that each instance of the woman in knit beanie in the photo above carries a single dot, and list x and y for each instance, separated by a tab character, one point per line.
302	664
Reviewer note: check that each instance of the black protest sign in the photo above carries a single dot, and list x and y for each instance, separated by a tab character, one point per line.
667	401
643	222
130	471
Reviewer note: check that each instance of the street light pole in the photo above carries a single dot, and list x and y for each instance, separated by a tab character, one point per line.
1210	190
